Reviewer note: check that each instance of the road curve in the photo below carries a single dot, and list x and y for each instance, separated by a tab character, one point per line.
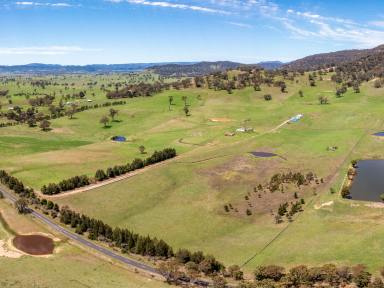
75	237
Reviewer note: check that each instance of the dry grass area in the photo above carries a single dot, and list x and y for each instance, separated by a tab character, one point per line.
220	119
248	172
19	224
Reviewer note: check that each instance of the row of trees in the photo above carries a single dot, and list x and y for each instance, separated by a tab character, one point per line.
15	184
66	185
101	175
137	163
328	275
127	240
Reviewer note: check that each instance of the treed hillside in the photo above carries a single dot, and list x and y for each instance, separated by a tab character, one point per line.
362	69
325	60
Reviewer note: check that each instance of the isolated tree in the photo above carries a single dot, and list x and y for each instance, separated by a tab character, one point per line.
21	205
356	87
71	110
345	192
113	113
31	122
44	125
283	87
141	149
301	94
377	83
186	110
267	97
104	120
170	100
185	98
323	100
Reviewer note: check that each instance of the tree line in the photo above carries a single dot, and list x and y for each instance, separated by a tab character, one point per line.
95	229
147	89
328	275
111	172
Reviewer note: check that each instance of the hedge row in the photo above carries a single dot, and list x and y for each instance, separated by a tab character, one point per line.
16	185
101	175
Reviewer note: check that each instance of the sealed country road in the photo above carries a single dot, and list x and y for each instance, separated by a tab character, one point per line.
85	242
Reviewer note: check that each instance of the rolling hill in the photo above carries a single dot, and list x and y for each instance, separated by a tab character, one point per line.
331	59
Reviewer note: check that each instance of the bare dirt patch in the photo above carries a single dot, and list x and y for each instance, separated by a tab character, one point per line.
220	120
326	204
241	169
34	244
62	130
375	205
6	251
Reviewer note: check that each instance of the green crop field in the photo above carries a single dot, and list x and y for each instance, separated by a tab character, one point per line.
183	201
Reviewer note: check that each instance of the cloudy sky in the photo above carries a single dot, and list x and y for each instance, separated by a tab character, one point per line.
127	31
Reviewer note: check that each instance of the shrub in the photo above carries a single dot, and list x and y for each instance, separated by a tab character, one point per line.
345	192
271	272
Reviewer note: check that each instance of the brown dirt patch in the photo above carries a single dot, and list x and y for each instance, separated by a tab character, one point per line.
34	244
220	120
63	130
241	169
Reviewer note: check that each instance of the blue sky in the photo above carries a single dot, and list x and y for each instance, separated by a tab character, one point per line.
128	31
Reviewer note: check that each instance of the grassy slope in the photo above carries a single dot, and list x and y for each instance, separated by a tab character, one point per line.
69	267
183	202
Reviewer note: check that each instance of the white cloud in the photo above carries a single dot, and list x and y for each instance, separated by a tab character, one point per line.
172	5
44	50
379	23
37	4
242	25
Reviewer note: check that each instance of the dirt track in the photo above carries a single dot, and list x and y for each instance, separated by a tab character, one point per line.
106	182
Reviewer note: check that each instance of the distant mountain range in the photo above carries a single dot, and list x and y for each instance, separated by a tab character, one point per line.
165	69
38	68
313	62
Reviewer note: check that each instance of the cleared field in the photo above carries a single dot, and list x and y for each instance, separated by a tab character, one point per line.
68	267
183	202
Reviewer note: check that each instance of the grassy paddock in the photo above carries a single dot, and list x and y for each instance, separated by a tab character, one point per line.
183	202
